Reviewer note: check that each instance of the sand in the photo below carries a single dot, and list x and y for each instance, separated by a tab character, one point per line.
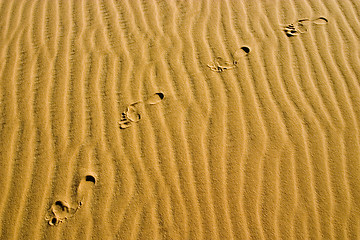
145	119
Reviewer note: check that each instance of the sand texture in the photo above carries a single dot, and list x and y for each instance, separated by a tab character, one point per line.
179	119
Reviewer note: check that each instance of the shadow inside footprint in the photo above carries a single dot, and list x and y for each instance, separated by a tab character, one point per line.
320	21
245	49
90	178
291	30
63	206
54	221
161	95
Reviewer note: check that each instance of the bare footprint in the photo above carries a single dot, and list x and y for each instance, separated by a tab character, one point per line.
62	210
85	185
220	65
132	114
291	31
240	53
59	212
154	99
294	29
302	25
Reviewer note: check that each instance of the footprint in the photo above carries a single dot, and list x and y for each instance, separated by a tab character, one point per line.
240	53
133	111
59	212
131	115
294	29
301	26
219	64
62	210
84	188
154	99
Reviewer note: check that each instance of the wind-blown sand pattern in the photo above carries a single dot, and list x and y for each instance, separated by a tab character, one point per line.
268	149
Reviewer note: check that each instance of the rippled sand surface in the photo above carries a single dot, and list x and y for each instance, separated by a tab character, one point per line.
164	119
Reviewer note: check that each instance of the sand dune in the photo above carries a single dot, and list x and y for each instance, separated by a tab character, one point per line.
138	119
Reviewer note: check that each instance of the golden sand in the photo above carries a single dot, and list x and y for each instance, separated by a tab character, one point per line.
145	119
